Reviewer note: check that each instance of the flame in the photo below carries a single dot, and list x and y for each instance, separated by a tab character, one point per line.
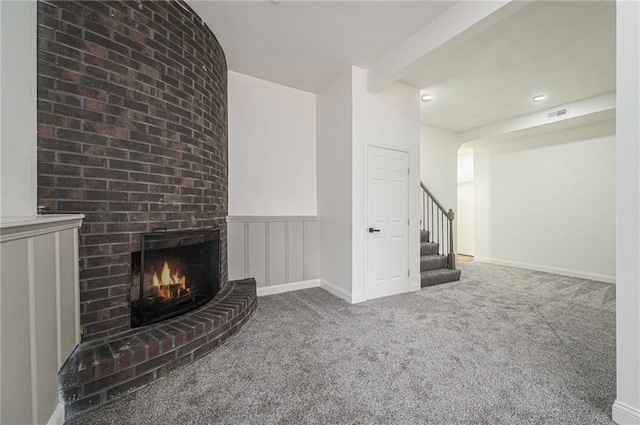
167	281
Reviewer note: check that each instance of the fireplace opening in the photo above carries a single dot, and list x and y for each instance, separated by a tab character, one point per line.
173	273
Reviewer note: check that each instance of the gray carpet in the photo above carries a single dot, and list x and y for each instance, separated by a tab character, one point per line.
501	346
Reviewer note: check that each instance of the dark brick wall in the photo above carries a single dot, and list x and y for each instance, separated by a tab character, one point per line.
132	132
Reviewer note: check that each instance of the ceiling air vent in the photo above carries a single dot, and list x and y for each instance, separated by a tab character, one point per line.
558	113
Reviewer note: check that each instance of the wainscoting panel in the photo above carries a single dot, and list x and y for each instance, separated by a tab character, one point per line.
14	334
39	313
256	249
236	253
295	251
45	323
312	250
278	251
68	308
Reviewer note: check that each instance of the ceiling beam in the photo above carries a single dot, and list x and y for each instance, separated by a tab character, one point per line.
590	110
459	23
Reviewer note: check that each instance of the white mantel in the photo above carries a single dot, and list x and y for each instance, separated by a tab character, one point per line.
12	228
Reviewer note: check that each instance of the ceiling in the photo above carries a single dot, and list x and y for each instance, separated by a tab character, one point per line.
306	44
564	49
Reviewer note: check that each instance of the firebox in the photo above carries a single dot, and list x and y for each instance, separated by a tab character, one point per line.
174	272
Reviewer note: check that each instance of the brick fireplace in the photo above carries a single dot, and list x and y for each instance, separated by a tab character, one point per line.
132	132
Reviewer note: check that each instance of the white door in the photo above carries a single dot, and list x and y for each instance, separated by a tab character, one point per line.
387	222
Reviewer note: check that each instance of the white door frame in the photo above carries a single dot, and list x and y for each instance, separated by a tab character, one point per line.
366	212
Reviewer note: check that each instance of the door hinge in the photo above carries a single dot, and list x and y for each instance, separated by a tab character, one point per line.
409	273
408	222
409	171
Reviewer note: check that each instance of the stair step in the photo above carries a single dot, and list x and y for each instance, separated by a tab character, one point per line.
432	262
436	277
429	248
424	236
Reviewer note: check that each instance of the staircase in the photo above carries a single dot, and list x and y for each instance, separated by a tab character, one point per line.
433	266
437	256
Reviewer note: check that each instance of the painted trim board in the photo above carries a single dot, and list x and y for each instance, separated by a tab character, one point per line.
29	227
57	418
625	415
243	218
355	299
287	287
335	290
548	269
341	293
414	286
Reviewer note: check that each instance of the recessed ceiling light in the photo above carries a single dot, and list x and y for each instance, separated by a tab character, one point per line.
539	98
426	97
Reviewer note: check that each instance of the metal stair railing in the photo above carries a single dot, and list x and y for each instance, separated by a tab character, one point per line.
438	222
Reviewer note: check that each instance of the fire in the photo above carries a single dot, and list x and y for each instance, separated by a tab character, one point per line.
169	286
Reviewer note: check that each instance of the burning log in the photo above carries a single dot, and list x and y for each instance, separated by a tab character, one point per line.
168	285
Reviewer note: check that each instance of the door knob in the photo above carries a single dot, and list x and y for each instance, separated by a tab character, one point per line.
371	230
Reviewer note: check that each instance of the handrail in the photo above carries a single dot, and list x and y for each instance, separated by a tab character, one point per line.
432	196
434	223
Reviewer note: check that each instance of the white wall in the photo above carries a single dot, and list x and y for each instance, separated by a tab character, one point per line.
272	149
389	118
465	211
349	119
626	409
334	166
439	164
18	143
548	202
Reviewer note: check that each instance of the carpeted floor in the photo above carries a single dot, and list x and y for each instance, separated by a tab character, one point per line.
502	346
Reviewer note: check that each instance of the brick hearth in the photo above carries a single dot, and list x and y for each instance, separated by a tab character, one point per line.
100	371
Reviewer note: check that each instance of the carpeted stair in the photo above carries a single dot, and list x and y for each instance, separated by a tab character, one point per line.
433	267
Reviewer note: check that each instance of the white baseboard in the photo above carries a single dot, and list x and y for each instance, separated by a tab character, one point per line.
625	415
548	269
57	418
415	286
287	287
336	290
355	299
